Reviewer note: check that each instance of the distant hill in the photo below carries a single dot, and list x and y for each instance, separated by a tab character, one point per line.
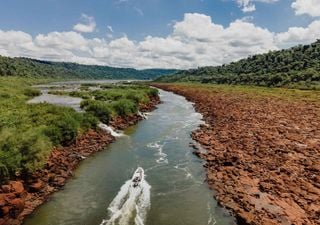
297	67
26	67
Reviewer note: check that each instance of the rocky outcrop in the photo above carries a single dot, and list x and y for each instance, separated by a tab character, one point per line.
262	154
20	197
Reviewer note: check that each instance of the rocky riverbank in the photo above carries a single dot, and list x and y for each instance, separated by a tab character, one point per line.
262	153
20	197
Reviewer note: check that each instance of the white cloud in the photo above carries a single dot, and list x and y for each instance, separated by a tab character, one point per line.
139	11
310	7
88	26
249	6
194	41
299	35
110	28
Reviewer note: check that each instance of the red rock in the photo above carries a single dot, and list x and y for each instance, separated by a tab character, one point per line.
37	186
2	222
6	188
4	210
17	186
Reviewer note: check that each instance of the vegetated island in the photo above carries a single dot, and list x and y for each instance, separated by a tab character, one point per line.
262	143
41	144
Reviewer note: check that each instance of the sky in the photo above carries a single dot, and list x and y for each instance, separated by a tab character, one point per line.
179	34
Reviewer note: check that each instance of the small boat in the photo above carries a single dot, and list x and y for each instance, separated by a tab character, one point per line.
137	177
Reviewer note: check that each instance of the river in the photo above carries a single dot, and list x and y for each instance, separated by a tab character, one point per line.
174	191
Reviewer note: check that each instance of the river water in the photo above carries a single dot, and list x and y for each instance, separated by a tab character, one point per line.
173	193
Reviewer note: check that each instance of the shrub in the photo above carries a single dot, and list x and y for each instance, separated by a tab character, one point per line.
97	108
4	174
64	129
24	153
124	107
153	92
30	92
137	97
89	121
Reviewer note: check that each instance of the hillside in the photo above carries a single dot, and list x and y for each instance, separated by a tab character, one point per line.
25	67
295	67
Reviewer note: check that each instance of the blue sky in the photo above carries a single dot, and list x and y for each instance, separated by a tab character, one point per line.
138	18
132	21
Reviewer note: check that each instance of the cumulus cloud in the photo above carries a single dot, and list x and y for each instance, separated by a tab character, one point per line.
310	7
249	5
299	35
88	25
194	41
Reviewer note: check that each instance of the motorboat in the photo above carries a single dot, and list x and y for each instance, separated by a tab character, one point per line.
137	177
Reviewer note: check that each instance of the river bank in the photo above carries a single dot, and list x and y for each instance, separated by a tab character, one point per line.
21	196
263	151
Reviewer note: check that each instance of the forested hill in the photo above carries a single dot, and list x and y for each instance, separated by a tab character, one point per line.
36	68
295	67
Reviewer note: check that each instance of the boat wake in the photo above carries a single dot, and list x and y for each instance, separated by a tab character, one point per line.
132	202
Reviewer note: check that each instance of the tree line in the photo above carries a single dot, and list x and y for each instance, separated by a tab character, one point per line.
26	67
297	67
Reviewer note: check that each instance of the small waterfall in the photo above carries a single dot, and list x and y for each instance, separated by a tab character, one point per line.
143	115
131	203
109	129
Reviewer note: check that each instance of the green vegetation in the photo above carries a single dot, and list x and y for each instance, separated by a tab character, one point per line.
28	132
119	100
297	67
25	67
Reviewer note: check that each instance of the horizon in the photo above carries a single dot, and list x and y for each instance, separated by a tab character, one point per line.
155	34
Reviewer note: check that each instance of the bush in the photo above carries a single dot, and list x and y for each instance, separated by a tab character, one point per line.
30	92
4	174
24	153
124	107
137	97
153	92
89	121
97	108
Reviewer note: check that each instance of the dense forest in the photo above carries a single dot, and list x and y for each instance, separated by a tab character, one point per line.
25	67
297	67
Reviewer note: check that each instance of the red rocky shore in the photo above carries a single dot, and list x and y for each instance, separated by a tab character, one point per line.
20	197
262	154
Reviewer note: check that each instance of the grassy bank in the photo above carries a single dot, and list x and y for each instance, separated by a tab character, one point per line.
28	132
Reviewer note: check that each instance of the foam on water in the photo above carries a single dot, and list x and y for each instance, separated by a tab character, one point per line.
143	115
130	205
110	130
211	219
162	157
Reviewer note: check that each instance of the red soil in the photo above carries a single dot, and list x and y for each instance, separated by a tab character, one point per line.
263	154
